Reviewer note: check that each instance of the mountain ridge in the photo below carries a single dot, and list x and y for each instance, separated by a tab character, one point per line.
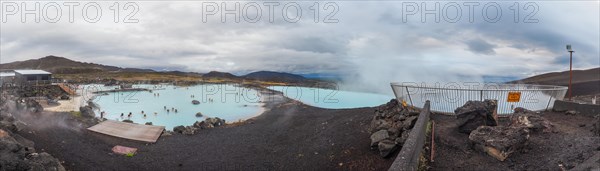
275	76
585	82
62	65
562	77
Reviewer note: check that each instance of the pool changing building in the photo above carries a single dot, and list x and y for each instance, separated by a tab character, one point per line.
32	77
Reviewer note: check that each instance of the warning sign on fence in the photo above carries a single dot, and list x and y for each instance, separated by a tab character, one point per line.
514	97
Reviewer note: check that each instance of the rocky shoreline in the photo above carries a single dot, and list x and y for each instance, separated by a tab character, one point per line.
390	127
199	125
17	152
286	135
213	122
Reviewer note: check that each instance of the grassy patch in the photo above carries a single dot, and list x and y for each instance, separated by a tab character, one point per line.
127	76
129	154
422	163
428	128
425	153
76	113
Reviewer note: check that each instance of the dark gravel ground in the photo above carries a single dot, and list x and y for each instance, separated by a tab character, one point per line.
288	136
571	145
294	136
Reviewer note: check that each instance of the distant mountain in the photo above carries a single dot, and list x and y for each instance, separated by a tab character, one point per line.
61	65
327	77
217	74
180	73
498	79
275	76
585	82
562	78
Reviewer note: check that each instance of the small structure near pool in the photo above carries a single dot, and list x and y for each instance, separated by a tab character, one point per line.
138	132
23	77
32	77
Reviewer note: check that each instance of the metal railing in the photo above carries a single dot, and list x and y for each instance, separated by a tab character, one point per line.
447	99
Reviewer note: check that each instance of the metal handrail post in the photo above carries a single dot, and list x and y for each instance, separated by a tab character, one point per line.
409	98
480	95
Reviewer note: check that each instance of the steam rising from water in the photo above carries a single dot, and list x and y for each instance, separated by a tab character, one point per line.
377	74
375	60
42	120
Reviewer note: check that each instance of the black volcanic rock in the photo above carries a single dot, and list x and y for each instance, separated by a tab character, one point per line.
275	76
474	114
390	126
499	141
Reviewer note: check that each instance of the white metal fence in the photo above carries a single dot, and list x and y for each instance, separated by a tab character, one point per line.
446	99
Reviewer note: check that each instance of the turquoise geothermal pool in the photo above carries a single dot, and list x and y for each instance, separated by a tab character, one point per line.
333	99
226	101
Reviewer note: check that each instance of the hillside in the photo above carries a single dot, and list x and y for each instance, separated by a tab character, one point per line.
83	72
275	76
585	82
61	65
217	74
562	78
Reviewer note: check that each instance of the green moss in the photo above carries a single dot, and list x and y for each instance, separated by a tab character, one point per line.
428	129
76	113
423	162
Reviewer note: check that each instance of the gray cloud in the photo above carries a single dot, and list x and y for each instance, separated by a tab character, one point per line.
481	46
370	46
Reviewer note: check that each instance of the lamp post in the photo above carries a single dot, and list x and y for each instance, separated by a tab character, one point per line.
570	71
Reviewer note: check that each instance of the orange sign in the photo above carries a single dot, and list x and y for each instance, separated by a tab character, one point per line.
514	97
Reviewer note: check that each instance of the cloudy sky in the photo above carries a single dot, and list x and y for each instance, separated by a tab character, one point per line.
372	43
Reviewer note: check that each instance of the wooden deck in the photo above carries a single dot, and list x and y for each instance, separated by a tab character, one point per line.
145	133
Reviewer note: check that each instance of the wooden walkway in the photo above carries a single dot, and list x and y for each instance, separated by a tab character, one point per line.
138	132
67	89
